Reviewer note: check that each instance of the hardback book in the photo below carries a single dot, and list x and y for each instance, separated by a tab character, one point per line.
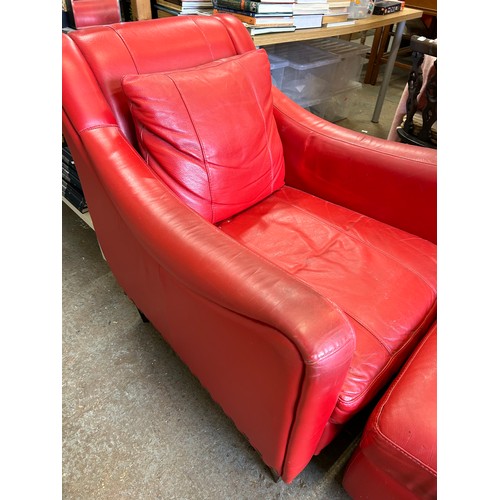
307	21
67	156
170	8
162	11
339	3
258	19
74	197
349	22
386	7
262	30
184	4
334	18
257	7
310	8
68	163
338	10
70	177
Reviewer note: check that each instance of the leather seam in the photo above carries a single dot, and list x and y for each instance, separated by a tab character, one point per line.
263	116
392	357
314	132
382	435
200	142
339	310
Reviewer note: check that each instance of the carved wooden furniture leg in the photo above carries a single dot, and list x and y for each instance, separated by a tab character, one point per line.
411	131
414	87
429	113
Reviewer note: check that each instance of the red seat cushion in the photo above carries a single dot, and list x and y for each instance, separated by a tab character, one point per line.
209	132
397	455
384	279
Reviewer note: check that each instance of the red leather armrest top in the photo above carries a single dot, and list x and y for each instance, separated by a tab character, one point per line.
264	292
392	182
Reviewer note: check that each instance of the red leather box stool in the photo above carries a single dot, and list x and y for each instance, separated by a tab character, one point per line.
397	455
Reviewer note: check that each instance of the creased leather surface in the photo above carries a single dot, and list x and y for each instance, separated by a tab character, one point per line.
383	278
171	262
209	132
397	456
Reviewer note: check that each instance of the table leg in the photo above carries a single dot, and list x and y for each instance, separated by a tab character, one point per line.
396	42
373	55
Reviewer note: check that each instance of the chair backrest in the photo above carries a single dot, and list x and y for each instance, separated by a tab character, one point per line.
86	13
95	60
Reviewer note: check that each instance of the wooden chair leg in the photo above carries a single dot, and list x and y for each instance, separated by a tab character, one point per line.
373	55
384	43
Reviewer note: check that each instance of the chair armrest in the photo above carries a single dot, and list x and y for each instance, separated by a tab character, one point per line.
392	182
198	256
180	239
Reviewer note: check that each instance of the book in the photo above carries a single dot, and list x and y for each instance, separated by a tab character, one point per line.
74	197
253	6
67	156
310	8
162	11
338	10
386	7
167	8
335	4
350	22
307	21
262	30
258	19
71	178
337	18
184	4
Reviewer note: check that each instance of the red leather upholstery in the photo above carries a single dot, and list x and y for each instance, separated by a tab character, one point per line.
217	171
397	455
95	12
292	313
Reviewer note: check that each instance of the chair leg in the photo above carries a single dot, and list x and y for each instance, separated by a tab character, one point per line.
276	477
143	316
373	55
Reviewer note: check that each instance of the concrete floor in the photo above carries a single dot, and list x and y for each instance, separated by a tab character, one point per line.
136	423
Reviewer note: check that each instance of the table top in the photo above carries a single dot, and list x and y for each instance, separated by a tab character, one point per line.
368	23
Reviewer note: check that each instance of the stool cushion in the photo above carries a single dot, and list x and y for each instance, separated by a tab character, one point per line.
397	455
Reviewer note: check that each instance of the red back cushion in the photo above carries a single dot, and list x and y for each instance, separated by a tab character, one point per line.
209	132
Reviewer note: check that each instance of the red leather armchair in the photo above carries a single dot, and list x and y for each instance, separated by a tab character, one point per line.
289	262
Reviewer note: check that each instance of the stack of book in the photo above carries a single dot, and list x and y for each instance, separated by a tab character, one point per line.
71	186
167	8
259	16
309	13
338	13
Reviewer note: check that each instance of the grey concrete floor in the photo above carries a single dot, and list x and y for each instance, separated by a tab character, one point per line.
135	422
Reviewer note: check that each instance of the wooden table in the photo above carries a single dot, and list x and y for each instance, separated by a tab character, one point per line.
378	53
373	22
